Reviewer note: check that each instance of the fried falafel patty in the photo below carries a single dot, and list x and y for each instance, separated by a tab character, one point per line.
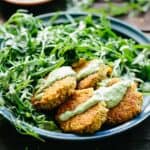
93	79
55	91
129	107
92	72
56	94
86	122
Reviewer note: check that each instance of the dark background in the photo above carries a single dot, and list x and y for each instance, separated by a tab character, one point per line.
137	138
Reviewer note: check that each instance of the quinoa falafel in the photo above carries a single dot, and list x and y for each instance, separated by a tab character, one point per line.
89	73
86	122
129	107
49	96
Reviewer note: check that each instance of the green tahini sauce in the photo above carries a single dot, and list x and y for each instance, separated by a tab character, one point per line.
91	68
111	95
54	76
114	94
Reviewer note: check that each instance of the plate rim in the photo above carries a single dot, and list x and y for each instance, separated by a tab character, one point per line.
27	3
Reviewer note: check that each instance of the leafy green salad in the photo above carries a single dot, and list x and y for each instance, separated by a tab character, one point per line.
30	49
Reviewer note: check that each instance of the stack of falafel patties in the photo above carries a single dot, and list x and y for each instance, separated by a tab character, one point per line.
78	86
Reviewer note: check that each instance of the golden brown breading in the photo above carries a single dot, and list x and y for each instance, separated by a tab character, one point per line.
87	122
94	78
77	66
128	108
113	81
56	94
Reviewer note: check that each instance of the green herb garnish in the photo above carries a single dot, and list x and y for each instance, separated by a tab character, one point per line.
130	7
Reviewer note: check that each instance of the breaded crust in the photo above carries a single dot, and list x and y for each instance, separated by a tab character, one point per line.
113	81
87	122
93	79
128	108
56	94
77	66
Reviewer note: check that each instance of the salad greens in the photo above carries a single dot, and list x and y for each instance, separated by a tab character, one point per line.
130	7
30	49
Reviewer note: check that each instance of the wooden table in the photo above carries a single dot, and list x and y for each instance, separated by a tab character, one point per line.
137	138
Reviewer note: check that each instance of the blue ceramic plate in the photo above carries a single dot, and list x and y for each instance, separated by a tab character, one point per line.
124	30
